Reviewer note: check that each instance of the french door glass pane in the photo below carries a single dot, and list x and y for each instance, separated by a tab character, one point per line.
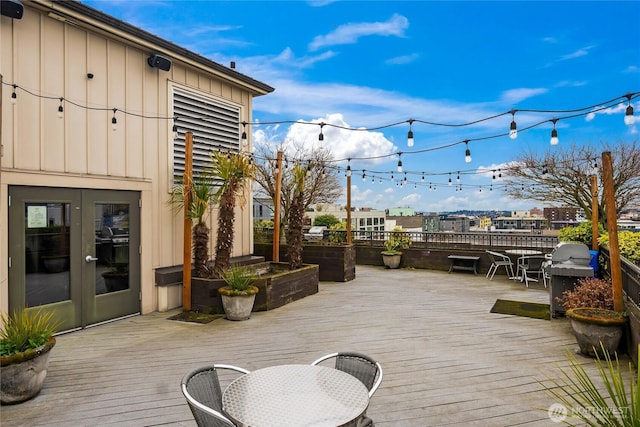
47	246
112	247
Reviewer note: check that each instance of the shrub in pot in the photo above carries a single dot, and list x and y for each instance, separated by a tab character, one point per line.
595	324
26	339
239	294
397	240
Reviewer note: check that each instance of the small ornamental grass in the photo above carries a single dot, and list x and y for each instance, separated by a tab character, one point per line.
617	405
25	330
239	281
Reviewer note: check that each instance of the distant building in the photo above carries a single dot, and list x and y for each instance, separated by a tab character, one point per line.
400	212
262	208
362	219
560	217
484	223
455	223
520	223
431	222
411	223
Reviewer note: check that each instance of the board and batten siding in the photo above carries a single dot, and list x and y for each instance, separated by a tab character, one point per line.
52	58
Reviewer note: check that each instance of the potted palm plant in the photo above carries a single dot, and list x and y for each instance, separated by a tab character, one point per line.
595	324
239	294
398	239
26	339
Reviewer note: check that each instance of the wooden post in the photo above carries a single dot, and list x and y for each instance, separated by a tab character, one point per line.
594	212
186	253
612	228
349	208
276	209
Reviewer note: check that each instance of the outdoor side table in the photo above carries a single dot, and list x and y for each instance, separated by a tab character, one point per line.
295	395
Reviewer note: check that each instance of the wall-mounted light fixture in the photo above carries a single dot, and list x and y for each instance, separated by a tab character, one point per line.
159	62
11	8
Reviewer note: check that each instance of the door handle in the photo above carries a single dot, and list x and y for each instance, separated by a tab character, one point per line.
89	258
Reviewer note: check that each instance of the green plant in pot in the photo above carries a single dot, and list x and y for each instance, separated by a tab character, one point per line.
595	324
239	294
398	239
26	339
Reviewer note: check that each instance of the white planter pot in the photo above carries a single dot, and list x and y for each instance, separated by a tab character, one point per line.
391	261
238	307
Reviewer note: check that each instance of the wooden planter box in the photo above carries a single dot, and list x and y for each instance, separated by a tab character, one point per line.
336	263
278	286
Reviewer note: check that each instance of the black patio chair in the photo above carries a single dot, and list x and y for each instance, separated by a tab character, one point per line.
201	388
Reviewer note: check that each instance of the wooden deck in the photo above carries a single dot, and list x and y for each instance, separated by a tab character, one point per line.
447	360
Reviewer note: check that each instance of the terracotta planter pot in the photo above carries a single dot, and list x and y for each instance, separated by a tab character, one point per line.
22	375
596	328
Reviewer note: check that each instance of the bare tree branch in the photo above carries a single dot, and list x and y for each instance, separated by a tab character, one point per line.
562	177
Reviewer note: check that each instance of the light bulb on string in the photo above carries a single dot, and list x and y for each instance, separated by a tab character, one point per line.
554	133
391	177
321	135
449	178
348	167
629	118
174	129
114	121
513	129
399	162
410	134
61	109
467	152
458	177
364	176
14	95
244	142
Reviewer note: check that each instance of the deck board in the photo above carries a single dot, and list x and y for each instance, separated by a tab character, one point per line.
447	360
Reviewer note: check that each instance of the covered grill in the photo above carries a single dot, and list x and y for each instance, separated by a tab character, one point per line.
569	262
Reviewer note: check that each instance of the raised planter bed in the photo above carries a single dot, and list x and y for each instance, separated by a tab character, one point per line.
277	284
337	263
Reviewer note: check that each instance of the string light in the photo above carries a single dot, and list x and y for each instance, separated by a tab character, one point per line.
244	132
61	109
364	176
348	166
449	179
554	133
458	177
629	119
410	134
513	130
422	179
467	152
399	162
114	121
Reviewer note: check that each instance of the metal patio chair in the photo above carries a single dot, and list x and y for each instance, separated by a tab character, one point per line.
533	265
360	366
201	388
364	368
498	260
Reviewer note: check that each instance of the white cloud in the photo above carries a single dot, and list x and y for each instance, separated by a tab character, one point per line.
632	69
617	109
411	199
513	96
577	54
404	59
342	143
350	33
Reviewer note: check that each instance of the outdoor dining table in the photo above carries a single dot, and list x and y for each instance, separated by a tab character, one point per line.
523	252
295	395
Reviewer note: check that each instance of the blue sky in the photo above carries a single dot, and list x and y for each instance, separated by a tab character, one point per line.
362	64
